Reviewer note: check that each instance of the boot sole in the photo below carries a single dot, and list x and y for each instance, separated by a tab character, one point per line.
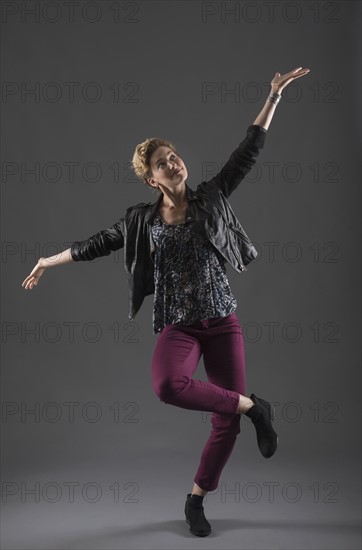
272	417
272	412
198	534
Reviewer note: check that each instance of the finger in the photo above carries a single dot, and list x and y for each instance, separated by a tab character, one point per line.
29	283
292	73
301	74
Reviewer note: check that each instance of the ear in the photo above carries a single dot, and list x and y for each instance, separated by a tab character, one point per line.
150	182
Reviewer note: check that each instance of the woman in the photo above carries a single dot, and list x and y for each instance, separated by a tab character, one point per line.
176	248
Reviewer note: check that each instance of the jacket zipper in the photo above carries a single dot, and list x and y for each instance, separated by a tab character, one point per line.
233	228
151	245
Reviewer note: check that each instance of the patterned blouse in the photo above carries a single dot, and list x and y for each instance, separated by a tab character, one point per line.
190	276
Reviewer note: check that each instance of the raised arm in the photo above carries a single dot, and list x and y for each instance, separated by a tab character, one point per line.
278	84
243	158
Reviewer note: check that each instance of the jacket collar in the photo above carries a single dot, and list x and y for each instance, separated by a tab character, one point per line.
152	207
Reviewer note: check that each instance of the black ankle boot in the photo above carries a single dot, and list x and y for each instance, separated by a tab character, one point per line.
195	517
261	415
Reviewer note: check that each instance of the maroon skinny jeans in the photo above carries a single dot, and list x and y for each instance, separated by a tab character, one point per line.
175	358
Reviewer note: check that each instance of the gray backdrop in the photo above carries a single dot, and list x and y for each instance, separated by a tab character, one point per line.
91	458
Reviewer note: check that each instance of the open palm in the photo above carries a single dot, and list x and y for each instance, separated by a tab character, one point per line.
279	81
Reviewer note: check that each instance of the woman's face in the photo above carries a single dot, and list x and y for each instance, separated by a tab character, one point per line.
167	167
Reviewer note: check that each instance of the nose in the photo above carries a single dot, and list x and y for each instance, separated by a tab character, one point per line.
174	166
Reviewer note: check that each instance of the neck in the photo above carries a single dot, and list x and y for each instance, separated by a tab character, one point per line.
174	198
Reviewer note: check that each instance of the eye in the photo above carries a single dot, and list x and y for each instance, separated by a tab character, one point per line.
161	163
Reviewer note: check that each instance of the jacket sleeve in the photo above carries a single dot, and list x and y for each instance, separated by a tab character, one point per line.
240	162
99	244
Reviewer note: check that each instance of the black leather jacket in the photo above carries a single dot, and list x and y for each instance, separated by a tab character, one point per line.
208	206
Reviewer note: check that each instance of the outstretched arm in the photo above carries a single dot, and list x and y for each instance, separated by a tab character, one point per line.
278	83
98	245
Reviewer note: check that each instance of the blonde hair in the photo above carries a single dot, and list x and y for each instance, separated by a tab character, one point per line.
142	155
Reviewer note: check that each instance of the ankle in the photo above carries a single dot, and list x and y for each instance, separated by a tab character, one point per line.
245	403
197	491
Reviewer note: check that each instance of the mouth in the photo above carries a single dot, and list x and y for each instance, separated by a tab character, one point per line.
177	171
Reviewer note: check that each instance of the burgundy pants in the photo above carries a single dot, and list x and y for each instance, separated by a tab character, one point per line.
175	358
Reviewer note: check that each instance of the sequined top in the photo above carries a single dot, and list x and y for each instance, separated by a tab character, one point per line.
191	283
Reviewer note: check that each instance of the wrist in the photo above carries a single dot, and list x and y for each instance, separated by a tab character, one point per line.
274	97
275	89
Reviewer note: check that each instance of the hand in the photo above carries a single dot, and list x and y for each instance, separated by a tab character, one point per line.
34	276
279	81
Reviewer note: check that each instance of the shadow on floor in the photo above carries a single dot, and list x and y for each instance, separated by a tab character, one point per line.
119	535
